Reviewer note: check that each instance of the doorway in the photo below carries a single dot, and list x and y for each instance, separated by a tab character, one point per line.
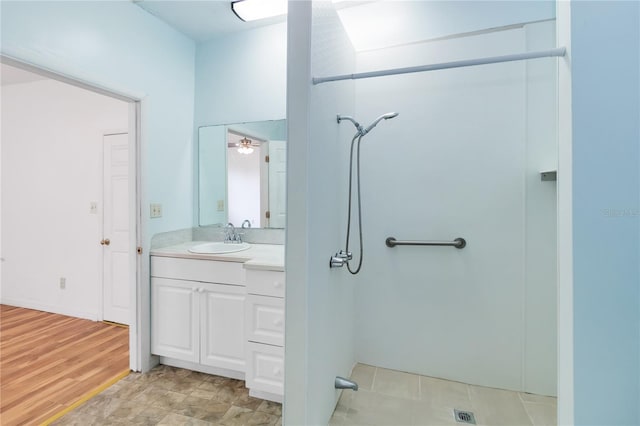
92	235
256	180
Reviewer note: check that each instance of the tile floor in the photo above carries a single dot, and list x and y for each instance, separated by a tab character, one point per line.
388	397
173	396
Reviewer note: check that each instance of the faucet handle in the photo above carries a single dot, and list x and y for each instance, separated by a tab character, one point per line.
344	255
229	233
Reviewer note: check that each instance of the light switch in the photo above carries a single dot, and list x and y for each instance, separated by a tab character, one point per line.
93	207
156	210
220	205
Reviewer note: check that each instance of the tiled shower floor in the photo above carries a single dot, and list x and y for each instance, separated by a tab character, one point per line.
388	397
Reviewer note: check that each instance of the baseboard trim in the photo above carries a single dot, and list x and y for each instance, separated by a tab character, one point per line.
266	395
239	375
29	304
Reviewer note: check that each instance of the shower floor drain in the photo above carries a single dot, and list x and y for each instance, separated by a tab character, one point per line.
464	417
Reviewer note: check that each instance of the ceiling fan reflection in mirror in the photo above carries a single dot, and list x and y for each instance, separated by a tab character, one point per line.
244	145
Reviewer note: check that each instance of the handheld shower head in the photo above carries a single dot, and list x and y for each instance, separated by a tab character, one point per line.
386	116
339	118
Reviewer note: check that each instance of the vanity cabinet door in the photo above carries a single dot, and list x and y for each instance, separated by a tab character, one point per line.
222	324
175	323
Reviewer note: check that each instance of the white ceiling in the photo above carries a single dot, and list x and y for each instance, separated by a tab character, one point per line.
13	75
201	20
370	24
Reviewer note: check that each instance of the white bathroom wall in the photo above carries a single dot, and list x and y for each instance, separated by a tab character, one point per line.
320	301
51	171
461	160
540	217
565	371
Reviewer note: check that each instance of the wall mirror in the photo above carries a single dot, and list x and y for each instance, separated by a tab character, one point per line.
242	174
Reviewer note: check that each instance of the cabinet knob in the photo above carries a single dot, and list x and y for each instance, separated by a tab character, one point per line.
277	284
277	371
277	322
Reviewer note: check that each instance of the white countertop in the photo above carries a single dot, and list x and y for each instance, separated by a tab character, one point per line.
268	257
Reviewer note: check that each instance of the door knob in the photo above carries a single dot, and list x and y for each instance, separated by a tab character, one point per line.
105	242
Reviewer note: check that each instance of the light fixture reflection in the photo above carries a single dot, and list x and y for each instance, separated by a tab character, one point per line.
245	146
251	10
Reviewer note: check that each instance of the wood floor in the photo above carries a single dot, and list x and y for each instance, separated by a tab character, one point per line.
49	361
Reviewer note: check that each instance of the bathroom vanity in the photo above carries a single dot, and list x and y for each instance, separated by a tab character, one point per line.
221	314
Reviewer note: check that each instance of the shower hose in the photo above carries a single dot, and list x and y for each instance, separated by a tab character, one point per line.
358	136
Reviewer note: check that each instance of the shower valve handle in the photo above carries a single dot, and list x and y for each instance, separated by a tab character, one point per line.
345	255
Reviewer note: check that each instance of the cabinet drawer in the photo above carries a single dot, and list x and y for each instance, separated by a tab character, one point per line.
265	368
267	283
265	319
198	270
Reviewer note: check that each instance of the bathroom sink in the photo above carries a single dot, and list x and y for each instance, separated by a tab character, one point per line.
219	248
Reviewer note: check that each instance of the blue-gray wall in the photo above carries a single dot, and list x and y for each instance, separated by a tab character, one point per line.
240	77
606	194
121	47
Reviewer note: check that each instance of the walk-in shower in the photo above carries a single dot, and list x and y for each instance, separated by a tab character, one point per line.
343	257
454	307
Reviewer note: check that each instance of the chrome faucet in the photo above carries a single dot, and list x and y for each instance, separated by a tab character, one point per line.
342	383
340	259
246	224
230	234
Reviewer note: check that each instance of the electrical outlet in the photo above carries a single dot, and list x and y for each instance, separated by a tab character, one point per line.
93	207
156	210
220	205
63	283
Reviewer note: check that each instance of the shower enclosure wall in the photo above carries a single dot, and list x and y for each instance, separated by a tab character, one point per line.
462	159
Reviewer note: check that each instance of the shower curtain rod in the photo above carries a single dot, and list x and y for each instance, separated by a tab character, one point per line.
559	51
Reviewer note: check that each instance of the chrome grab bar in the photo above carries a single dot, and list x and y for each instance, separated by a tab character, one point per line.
458	243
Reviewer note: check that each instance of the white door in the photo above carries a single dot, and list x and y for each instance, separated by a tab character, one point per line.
277	183
115	240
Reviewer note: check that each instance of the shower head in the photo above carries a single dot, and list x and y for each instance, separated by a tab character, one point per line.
339	118
386	116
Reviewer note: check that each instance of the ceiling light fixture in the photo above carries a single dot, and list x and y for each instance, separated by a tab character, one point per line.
251	10
245	146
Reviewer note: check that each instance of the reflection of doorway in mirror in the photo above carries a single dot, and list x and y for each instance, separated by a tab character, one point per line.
244	170
277	183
